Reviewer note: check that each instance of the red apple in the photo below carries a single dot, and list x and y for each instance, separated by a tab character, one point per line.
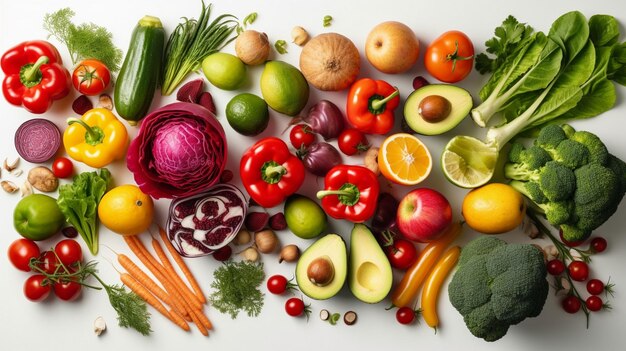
423	214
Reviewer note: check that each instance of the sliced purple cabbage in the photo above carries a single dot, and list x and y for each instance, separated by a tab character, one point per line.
203	223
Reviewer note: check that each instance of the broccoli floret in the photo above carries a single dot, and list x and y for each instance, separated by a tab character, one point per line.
531	190
558	213
571	154
550	137
557	182
597	150
515	152
498	285
569	130
619	168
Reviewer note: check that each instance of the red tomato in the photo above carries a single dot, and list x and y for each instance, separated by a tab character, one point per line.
36	287
278	284
594	303
62	167
301	136
91	77
21	251
405	315
402	253
352	141
578	270
295	307
67	291
450	57
68	252
598	244
571	304
556	267
48	262
595	286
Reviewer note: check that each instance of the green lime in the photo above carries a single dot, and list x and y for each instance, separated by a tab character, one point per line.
247	114
284	87
468	162
223	70
305	218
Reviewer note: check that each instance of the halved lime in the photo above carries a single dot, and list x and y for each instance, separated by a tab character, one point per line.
468	162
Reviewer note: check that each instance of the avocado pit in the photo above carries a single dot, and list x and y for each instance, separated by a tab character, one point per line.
434	108
321	271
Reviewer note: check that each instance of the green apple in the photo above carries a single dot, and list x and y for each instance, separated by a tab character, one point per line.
37	217
223	70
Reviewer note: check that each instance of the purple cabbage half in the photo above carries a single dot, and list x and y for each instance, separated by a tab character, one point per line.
180	150
203	223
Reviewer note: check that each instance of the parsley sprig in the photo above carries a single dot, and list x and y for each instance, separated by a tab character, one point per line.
236	288
506	41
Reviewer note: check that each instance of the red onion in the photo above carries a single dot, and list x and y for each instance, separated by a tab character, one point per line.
320	158
325	119
37	140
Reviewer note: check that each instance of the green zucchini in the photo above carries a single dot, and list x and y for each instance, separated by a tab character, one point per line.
140	73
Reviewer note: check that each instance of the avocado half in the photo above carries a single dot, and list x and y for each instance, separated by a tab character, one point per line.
460	104
331	247
370	276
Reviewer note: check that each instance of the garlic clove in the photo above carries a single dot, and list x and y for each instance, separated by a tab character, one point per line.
9	166
299	35
26	189
99	326
105	101
8	186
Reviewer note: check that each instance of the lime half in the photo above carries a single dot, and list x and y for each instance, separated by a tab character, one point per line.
468	162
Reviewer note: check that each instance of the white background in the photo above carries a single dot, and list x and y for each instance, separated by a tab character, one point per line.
68	326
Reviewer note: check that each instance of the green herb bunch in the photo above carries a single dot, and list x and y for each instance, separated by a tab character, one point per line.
236	287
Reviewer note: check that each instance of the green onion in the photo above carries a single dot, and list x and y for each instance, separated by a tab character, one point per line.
191	42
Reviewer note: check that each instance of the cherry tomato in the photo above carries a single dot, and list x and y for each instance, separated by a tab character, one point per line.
578	270
301	136
450	57
278	284
68	252
223	254
21	251
405	315
91	77
571	304
352	141
570	243
295	307
67	291
595	286
62	167
48	262
555	267
598	244
402	253
36	288
594	303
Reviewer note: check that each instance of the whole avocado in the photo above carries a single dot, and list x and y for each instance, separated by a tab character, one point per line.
37	217
498	285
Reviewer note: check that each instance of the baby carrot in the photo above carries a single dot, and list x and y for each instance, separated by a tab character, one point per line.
183	266
150	299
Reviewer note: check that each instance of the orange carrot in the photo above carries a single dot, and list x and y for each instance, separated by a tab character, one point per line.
144	256
150	299
204	319
174	277
194	316
183	266
143	278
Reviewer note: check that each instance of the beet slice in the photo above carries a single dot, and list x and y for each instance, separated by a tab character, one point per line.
37	140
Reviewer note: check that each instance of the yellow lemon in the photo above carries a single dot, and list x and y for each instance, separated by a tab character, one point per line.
494	208
126	210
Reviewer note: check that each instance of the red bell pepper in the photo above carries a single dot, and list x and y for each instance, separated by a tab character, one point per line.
270	173
351	192
371	104
34	76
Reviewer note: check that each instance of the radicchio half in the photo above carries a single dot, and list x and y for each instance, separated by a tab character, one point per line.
203	223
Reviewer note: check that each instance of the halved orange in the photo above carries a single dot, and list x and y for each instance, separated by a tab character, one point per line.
404	159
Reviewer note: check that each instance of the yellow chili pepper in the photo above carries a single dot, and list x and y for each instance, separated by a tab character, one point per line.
97	139
414	276
432	285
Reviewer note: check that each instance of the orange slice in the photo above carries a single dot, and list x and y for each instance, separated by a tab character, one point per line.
404	159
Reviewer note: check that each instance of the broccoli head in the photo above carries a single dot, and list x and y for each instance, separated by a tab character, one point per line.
550	137
597	150
498	285
556	181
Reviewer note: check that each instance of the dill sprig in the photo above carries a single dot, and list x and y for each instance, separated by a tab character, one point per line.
236	287
83	41
190	42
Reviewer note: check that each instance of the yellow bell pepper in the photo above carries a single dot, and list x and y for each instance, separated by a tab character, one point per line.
97	139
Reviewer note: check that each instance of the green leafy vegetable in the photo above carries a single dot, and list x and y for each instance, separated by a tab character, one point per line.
328	19
79	203
507	41
83	41
192	41
236	287
281	46
132	311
